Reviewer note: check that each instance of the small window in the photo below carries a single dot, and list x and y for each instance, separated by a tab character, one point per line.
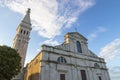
19	40
61	60
96	65
99	77
79	49
21	31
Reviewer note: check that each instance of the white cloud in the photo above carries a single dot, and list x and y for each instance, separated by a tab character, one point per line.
51	41
50	16
115	73
111	50
95	33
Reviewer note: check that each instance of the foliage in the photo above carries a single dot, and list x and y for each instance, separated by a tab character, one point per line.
10	63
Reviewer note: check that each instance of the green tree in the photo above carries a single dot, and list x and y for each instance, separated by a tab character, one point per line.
10	63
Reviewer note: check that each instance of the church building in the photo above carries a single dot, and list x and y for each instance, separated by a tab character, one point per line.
72	60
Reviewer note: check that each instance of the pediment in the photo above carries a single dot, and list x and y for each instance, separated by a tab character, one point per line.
76	35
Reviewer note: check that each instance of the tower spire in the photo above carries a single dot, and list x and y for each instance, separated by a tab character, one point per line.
26	20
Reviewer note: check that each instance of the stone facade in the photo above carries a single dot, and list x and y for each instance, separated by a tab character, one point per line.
71	60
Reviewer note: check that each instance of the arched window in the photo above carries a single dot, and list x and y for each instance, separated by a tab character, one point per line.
27	33
24	32
96	65
21	31
61	60
79	49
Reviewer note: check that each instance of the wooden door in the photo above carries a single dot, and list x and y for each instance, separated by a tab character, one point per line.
83	75
62	76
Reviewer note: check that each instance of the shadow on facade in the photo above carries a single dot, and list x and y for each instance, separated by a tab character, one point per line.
34	76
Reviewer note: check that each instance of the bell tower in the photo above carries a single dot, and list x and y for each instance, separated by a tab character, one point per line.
22	37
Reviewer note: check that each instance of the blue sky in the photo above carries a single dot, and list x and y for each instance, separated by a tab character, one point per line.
97	20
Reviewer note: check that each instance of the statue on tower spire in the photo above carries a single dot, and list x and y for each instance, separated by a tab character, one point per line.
28	11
